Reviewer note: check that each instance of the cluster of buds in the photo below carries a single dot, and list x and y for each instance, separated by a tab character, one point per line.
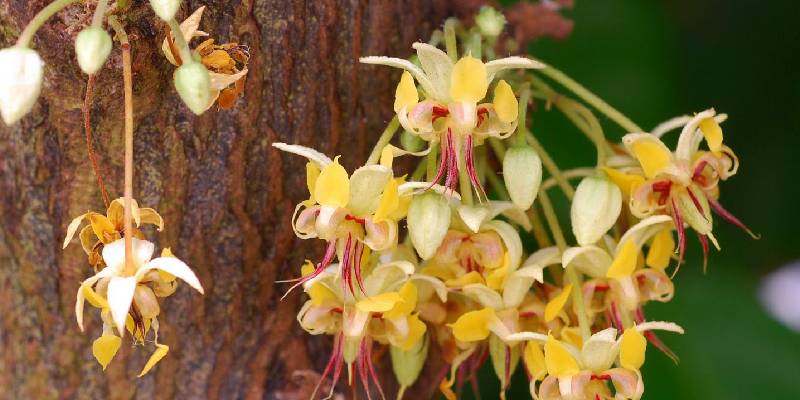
127	284
414	265
210	73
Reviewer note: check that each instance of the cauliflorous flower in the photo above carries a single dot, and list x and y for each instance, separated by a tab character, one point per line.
226	63
385	312
127	296
568	372
104	229
20	82
450	113
683	183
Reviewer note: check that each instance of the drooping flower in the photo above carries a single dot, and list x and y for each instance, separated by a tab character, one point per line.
450	114
568	372
127	296
385	312
105	229
226	63
683	183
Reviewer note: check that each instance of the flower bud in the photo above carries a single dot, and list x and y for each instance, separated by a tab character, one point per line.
697	215
165	9
20	82
193	84
411	142
522	173
92	47
407	365
490	22
428	221
595	208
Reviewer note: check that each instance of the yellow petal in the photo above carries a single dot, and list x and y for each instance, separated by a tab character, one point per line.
105	348
652	156
497	277
554	306
102	227
406	94
466	279
505	103
408	294
534	361
332	186
625	262
390	200
572	335
93	298
661	250
473	326
468	80
558	360
139	334
161	351
152	217
164	275
713	134
387	156
380	303
312	173
625	182
416	330
632	349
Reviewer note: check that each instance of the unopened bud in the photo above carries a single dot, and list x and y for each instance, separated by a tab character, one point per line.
92	46
490	22
522	173
694	209
165	9
411	142
20	82
193	84
595	208
428	221
407	365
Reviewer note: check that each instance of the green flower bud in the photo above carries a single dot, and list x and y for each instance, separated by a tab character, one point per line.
411	142
522	173
428	221
193	84
165	9
407	365
490	22
698	216
20	82
595	208
92	46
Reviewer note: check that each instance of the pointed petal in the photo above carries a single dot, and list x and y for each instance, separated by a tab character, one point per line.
419	75
653	155
321	159
173	266
495	66
554	306
161	351
105	348
437	66
120	296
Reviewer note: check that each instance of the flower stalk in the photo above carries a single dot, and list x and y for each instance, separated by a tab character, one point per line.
383	140
39	19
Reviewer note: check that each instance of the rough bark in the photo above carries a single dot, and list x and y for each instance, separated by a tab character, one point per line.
226	195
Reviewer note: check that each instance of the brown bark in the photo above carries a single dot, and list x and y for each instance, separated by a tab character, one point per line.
226	195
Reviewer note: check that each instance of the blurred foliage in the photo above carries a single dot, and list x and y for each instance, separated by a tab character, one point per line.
657	59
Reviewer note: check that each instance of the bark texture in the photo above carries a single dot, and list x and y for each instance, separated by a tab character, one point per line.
225	194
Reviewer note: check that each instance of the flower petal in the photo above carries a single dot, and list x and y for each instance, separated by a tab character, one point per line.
437	66
419	75
406	95
625	262
558	360
120	296
161	351
495	66
379	303
591	260
468	81
661	250
653	155
105	348
72	228
321	159
483	295
505	102
473	326
533	357
365	187
173	266
333	186
554	306
632	349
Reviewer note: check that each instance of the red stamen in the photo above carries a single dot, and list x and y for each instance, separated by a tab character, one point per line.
704	244
330	252
663	188
616	319
697	175
439	112
696	203
359	252
651	337
335	353
443	164
507	367
349	217
452	167
473	176
722	212
482	113
347	278
678	220
371	368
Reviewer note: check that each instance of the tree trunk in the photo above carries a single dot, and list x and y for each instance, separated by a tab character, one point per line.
225	193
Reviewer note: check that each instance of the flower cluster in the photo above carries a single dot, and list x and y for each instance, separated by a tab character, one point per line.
413	265
126	285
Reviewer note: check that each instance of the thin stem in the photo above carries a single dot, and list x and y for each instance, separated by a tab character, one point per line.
524	98
568	174
419	171
128	83
87	127
450	39
474	45
551	166
539	233
498	185
591	98
180	41
99	13
385	138
39	19
573	277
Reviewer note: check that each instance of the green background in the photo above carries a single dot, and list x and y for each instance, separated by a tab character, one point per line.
654	60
